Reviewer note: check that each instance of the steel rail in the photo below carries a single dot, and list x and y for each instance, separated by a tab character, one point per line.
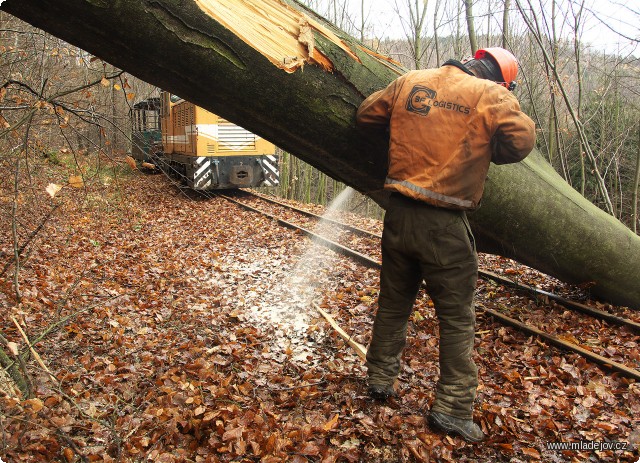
568	303
554	340
363	259
487	275
346	226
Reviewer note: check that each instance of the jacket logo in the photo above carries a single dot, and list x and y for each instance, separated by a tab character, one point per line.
419	100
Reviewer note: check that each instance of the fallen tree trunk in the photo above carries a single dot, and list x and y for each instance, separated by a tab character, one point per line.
277	69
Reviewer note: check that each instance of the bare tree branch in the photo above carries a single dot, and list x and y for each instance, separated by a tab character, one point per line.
608	25
578	123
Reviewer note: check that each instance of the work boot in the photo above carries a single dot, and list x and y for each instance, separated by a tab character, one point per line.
381	393
465	428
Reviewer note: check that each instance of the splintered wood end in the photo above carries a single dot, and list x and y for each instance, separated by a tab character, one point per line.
284	35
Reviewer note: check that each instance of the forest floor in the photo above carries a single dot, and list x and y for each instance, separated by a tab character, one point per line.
178	328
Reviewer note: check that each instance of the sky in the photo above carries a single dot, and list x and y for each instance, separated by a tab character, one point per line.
384	17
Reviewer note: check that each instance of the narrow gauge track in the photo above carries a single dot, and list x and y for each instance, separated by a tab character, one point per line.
370	241
484	274
345	226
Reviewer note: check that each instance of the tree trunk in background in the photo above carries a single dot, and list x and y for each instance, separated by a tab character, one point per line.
505	24
551	129
577	32
471	28
529	213
415	32
435	32
362	21
636	185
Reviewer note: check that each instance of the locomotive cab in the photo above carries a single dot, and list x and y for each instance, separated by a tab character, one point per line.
209	152
146	131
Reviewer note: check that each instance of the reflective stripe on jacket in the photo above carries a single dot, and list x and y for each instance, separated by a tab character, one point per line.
446	126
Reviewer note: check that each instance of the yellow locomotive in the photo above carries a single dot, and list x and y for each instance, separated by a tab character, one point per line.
202	149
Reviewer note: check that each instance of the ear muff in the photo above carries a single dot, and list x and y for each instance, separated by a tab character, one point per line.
506	62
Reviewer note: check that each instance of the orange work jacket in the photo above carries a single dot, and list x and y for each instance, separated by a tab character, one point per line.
446	126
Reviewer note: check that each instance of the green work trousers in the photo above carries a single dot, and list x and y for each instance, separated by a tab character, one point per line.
422	242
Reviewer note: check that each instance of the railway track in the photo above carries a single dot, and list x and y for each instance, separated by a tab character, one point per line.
367	244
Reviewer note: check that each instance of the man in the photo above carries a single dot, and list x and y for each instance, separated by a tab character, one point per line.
446	125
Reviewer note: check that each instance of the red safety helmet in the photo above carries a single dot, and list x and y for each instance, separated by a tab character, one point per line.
507	63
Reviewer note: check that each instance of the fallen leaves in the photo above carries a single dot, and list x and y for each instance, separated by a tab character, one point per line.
332	423
13	348
53	189
4	123
34	405
131	162
170	360
76	181
531	452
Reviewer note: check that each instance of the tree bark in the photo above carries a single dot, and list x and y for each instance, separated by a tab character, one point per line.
15	374
636	185
471	28
304	100
505	24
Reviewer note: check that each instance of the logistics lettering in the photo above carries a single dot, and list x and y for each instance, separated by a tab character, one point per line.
452	106
422	99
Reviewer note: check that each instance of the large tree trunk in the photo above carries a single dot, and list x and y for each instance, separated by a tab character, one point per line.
289	76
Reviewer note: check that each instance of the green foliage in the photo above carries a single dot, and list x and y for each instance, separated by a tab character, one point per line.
52	156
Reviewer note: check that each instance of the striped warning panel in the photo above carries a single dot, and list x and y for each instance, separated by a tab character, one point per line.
202	175
269	164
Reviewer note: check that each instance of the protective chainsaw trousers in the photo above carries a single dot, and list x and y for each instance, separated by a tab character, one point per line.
422	242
